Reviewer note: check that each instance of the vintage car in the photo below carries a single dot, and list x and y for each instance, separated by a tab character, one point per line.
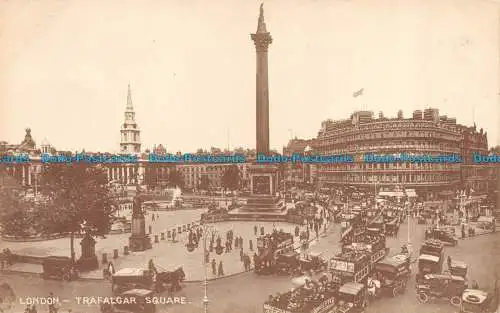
287	262
59	267
392	227
441	286
313	261
132	278
377	223
477	301
133	301
351	299
486	223
458	268
442	235
428	264
393	274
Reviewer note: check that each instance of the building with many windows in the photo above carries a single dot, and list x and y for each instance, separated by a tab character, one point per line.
193	174
299	173
425	133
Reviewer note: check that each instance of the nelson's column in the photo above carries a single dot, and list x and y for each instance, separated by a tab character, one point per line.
262	39
263	203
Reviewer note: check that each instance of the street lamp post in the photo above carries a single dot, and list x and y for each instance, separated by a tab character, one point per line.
207	230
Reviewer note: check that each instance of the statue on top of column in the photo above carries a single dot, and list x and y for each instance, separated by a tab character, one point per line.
261	26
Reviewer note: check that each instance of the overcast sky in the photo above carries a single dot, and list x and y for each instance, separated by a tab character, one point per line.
65	66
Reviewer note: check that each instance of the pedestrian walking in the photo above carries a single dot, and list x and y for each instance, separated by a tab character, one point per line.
207	257
7	256
221	269
152	217
157	216
241	242
3	262
214	267
241	254
250	245
247	261
236	241
475	285
449	263
255	230
262	233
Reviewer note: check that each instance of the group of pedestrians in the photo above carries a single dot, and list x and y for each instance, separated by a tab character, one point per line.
217	271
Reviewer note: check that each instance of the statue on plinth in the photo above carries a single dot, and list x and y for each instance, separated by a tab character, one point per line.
139	240
137	206
88	260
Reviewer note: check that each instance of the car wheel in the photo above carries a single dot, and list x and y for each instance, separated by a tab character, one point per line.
456	301
396	291
423	297
66	277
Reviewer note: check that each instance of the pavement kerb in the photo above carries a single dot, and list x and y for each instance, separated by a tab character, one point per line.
186	281
190	281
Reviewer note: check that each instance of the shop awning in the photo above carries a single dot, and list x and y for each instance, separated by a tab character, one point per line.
391	193
410	193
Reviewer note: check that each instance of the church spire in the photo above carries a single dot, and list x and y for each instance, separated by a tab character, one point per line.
129	99
261	26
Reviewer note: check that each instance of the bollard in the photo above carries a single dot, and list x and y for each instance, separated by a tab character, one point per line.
156	239
162	236
125	250
150	229
104	258
169	234
115	254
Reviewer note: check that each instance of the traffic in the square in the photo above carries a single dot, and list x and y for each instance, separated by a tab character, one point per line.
354	252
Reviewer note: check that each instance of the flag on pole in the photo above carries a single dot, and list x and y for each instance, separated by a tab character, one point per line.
358	93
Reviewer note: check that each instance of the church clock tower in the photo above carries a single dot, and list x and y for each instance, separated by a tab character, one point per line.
130	142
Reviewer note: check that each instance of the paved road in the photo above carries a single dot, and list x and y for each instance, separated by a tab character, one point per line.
245	293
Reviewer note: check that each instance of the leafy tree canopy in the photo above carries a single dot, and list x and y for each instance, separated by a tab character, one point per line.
78	194
231	177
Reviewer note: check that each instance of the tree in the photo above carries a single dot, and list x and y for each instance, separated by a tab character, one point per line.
16	213
79	198
175	178
204	183
231	178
